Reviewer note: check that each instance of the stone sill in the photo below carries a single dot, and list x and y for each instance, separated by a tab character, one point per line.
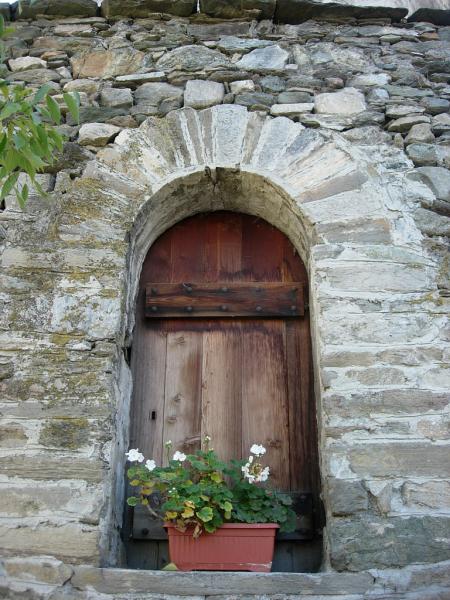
212	583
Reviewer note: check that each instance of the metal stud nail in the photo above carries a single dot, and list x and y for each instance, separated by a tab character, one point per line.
258	308
189	308
154	308
224	307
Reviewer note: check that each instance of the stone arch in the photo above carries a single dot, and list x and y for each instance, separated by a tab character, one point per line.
329	196
226	158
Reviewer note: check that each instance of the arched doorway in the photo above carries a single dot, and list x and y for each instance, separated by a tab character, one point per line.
241	375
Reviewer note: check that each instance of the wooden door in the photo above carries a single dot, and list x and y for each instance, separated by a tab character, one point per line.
240	380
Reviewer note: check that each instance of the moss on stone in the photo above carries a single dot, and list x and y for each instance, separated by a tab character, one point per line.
65	432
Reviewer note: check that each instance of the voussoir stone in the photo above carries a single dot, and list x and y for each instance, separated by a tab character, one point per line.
25	63
348	101
271	58
201	94
108	63
193	58
97	134
141	8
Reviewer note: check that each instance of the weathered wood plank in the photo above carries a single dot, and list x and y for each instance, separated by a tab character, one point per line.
183	391
264	398
147	413
223	299
221	390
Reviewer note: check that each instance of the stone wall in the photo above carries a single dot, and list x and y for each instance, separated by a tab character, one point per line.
338	133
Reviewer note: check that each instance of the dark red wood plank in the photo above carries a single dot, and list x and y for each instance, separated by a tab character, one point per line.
224	300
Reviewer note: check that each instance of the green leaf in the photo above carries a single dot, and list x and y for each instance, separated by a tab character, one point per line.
132	501
205	514
41	93
53	109
8	185
3	142
9	110
73	104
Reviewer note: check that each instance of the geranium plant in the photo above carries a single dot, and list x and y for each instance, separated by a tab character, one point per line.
201	492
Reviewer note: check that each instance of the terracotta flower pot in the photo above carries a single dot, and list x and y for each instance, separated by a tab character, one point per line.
233	547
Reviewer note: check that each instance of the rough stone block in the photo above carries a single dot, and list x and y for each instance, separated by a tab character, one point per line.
382	277
288	110
25	63
202	94
106	64
348	101
426	495
371	542
299	11
272	58
347	497
400	459
58	8
70	542
116	97
62	500
97	134
192	58
42	467
437	178
42	569
141	8
238	9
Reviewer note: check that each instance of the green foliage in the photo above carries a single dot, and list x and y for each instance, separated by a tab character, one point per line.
201	492
29	140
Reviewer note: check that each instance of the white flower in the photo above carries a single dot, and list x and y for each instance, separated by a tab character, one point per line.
168	443
150	465
134	455
264	475
179	456
257	450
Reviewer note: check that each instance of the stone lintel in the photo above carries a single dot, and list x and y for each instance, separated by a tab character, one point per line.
120	581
